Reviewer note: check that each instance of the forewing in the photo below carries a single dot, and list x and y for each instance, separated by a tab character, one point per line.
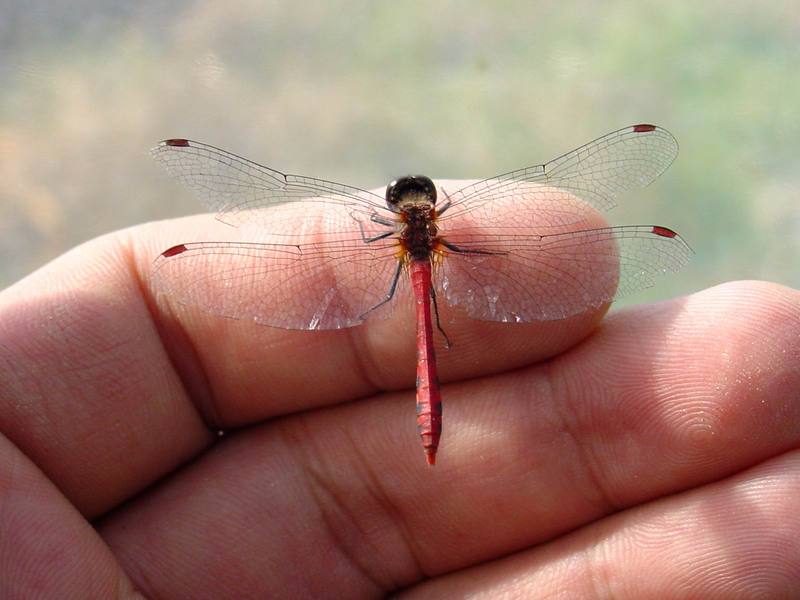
236	188
597	173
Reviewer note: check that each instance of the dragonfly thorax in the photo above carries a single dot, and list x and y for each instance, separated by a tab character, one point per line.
410	191
419	236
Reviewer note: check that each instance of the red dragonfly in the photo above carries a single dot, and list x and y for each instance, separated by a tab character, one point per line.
515	248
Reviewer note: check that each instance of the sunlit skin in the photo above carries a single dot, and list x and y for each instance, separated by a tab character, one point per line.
663	441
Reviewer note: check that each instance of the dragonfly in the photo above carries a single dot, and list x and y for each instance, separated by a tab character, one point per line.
515	248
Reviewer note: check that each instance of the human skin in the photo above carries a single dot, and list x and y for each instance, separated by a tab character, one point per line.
648	454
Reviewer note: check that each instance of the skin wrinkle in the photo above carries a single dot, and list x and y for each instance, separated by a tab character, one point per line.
364	359
607	505
395	515
206	407
315	483
140	580
211	414
370	484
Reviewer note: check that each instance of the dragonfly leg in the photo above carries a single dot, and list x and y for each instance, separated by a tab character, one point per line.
374	238
447	342
389	294
461	250
383	220
446	205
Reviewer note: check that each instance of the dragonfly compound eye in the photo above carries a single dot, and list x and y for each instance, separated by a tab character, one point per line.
411	188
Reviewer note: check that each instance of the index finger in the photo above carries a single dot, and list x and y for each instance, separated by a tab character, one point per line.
327	277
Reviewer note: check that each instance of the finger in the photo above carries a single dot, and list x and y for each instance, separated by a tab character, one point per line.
738	538
648	407
48	550
259	372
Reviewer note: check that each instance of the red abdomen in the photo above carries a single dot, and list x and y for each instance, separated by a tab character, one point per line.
429	397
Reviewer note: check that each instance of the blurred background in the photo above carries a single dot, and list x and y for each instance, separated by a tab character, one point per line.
361	92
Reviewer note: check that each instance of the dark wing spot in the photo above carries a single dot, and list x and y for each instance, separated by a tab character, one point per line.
180	248
663	231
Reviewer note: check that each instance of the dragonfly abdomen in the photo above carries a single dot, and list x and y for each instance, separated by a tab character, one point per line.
429	397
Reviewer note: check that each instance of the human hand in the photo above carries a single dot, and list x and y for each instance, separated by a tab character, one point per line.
653	455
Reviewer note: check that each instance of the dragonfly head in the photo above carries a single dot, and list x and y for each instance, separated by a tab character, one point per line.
411	190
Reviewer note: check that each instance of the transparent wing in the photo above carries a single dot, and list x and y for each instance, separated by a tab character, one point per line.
596	173
506	275
520	258
236	188
329	284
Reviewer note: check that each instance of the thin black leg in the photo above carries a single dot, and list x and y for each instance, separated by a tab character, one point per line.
460	250
375	238
380	236
446	205
447	343
383	220
390	293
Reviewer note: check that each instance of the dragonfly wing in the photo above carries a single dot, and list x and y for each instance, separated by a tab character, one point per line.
329	284
236	188
597	172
